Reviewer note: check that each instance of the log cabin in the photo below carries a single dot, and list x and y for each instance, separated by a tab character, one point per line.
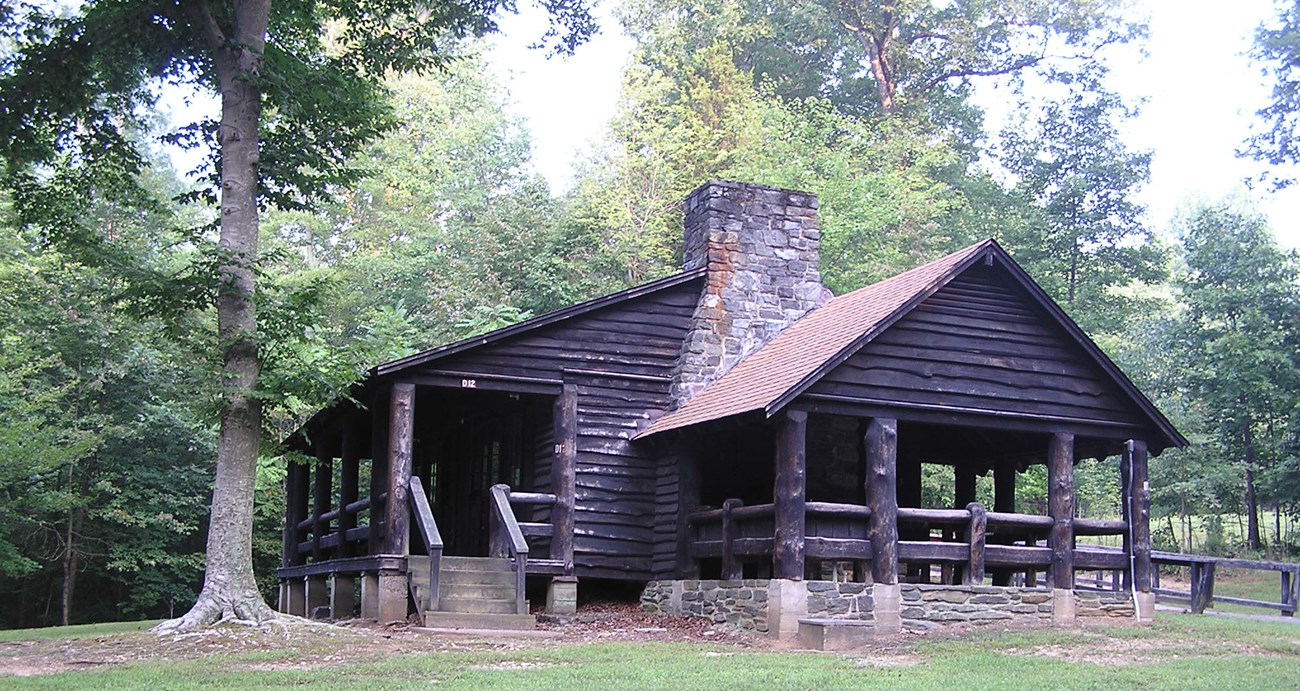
738	442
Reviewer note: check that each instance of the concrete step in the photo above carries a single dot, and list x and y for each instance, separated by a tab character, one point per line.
506	578
485	621
475	591
470	605
421	562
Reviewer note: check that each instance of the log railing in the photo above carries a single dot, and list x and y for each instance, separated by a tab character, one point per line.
432	539
1202	571
507	539
321	533
838	532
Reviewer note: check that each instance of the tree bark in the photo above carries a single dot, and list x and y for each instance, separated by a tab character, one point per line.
229	589
1252	503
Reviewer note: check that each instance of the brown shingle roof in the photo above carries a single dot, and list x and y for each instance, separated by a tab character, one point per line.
816	342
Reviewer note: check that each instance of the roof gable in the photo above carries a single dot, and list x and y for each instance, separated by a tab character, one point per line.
536	324
820	342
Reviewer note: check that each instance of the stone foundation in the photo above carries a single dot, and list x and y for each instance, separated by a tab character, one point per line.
775	606
1089	605
924	606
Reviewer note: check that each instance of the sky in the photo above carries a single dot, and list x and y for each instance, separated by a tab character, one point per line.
1198	89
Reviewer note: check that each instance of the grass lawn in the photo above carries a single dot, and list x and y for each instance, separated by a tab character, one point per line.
1182	652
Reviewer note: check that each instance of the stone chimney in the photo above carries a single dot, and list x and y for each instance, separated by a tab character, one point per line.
760	249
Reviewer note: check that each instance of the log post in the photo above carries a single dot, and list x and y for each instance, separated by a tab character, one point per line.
1060	540
1126	509
296	493
378	468
882	499
322	490
1139	512
688	498
1060	501
789	495
348	475
909	495
564	476
1004	501
731	569
401	429
1202	586
974	574
964	476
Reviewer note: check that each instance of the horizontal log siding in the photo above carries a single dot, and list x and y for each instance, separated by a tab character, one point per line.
616	484
977	344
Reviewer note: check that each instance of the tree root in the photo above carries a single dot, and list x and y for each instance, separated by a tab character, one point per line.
212	610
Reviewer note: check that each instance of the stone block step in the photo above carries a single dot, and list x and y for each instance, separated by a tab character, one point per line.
836	634
488	621
476	591
468	605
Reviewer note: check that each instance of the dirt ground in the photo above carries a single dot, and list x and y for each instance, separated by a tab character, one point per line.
318	644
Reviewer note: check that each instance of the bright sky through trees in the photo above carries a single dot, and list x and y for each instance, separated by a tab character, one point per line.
1199	88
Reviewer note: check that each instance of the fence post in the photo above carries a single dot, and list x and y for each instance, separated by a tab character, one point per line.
731	570
978	530
1288	593
1202	586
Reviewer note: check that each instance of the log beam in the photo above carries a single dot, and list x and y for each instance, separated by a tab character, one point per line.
881	444
789	495
1060	501
401	429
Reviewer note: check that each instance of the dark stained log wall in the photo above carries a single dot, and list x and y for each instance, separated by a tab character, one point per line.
619	361
977	344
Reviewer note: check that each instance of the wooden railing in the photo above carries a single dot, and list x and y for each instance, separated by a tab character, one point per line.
1202	572
839	532
323	534
432	540
507	539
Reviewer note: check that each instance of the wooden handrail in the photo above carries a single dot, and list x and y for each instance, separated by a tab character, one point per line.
512	542
933	515
532	498
432	538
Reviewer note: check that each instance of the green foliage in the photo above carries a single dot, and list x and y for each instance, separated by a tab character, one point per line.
1277	49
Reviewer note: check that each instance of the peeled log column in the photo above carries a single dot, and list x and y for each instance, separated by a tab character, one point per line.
1139	513
788	495
882	498
1060	493
401	426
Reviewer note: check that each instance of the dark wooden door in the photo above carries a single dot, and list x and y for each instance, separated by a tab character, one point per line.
480	452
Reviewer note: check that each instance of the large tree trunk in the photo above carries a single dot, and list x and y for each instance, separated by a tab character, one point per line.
1252	504
229	589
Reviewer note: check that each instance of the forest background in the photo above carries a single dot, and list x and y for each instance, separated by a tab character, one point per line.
109	355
